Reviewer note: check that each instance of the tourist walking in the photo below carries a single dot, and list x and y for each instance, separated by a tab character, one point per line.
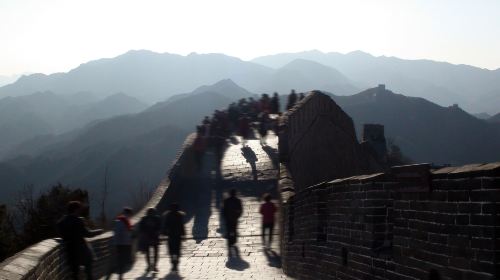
173	228
232	210
292	99
267	210
244	129
199	146
149	238
263	126
73	231
122	240
275	104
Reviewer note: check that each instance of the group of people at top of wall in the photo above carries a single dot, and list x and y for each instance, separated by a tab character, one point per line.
240	118
147	231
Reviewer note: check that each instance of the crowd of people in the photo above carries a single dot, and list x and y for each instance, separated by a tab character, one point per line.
147	233
240	118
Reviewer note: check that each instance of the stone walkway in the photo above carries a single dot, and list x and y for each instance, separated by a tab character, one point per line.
252	172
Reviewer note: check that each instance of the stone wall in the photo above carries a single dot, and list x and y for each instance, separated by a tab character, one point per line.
46	260
318	142
403	224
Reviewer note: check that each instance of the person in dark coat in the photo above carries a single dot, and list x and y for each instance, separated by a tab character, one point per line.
232	210
267	210
173	228
149	237
244	129
73	231
292	99
275	104
199	147
263	126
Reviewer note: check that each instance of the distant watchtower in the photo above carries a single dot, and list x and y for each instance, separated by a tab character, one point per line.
374	135
381	88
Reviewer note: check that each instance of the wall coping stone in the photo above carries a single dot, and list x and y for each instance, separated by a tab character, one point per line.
469	170
405	172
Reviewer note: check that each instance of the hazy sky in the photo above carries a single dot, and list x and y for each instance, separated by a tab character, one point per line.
57	35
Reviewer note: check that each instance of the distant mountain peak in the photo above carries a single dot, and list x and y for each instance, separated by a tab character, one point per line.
359	53
226	82
139	52
225	86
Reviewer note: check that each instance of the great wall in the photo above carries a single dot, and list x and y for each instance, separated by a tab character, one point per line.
342	214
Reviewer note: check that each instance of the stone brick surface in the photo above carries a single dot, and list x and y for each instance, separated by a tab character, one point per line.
318	141
252	172
388	226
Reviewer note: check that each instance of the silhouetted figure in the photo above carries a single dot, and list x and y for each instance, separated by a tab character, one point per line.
122	240
232	210
292	99
73	232
267	210
149	237
301	96
275	104
265	103
218	139
263	126
251	158
173	228
244	129
199	146
206	120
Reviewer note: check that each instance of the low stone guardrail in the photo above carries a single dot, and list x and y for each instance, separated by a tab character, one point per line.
46	259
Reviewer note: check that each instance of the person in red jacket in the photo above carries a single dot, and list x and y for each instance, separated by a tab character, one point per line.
267	210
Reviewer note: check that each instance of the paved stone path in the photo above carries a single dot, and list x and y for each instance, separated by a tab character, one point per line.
252	171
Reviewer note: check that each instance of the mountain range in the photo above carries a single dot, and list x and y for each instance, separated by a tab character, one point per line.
426	132
71	127
46	113
474	89
495	118
136	149
152	77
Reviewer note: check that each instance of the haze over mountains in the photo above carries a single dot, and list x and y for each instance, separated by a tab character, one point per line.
136	148
474	89
46	113
153	77
70	127
426	132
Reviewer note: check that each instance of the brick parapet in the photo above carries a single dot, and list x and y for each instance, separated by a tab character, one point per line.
46	259
396	225
318	142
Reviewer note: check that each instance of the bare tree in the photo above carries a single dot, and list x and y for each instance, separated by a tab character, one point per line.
25	205
103	219
141	195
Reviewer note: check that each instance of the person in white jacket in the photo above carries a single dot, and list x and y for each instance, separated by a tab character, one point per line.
122	240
